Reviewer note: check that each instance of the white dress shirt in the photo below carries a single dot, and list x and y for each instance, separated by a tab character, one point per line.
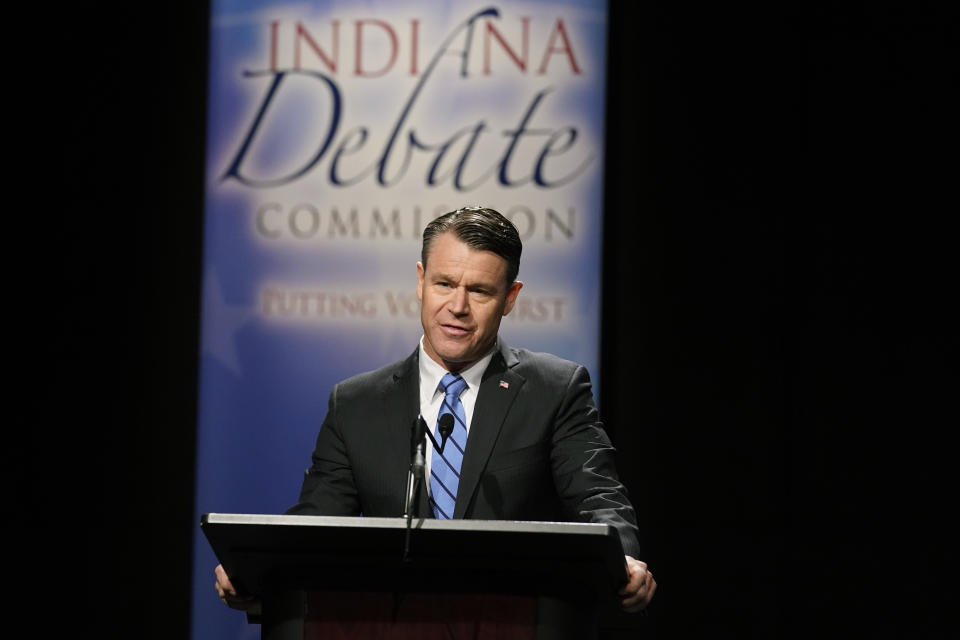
431	395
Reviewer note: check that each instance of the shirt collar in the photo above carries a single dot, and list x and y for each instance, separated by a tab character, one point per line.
431	372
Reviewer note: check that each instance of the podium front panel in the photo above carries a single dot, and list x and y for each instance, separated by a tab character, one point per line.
267	552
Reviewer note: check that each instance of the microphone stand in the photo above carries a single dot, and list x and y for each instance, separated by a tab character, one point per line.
414	477
418	464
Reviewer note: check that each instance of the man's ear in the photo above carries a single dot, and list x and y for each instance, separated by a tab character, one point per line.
512	296
420	281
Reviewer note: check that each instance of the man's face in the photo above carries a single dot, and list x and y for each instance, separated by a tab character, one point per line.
463	295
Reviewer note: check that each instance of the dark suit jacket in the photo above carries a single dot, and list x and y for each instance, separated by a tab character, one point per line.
536	449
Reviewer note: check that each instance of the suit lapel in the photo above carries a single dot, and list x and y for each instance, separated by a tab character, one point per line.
403	401
498	389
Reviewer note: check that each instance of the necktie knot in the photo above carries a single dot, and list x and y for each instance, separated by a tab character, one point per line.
453	385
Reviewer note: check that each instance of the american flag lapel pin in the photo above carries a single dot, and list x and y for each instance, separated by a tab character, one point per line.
504	384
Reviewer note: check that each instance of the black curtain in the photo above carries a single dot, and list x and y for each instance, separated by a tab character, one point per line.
779	322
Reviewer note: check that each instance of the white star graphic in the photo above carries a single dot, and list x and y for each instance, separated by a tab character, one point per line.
221	323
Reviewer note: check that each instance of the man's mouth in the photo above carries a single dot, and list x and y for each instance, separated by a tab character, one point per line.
454	330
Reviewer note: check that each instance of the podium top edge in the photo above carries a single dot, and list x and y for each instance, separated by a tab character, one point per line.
362	522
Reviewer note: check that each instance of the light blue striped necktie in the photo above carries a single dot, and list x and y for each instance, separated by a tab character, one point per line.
445	467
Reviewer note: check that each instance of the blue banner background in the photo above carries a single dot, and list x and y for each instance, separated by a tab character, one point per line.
297	294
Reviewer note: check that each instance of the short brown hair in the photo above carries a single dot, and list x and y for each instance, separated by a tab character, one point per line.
480	228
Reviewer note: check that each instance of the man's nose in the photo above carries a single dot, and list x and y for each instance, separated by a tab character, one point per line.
460	303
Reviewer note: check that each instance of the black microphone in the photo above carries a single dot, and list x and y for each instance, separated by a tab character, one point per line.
445	426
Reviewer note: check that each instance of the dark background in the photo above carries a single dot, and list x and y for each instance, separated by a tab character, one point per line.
779	344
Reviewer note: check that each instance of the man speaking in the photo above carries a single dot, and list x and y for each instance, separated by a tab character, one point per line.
526	440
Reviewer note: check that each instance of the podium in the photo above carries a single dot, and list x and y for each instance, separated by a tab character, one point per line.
329	577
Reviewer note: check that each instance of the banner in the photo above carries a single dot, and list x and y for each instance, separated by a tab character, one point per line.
336	132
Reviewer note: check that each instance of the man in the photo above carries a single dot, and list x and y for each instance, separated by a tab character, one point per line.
527	443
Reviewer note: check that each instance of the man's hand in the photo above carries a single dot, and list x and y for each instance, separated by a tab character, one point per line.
228	594
639	588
